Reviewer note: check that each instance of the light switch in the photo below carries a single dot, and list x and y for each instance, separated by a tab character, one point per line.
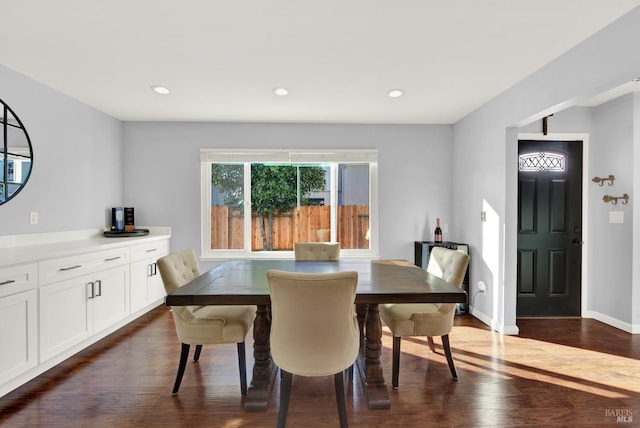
616	216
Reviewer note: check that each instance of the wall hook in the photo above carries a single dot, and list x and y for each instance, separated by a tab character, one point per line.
601	180
614	199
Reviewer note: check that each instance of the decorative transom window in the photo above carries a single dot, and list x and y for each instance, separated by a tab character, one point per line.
541	161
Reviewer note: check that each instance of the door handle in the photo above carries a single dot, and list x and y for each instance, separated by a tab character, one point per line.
577	242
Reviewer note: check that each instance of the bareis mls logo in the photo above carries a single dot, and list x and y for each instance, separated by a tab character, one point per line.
618	415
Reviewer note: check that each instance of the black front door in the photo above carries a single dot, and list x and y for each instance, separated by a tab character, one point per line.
549	228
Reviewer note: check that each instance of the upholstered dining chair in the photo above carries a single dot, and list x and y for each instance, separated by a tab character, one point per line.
203	325
316	250
314	330
427	319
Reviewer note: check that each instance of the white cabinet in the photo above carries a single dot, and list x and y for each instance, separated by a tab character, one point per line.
76	308
18	320
146	284
64	316
64	291
111	298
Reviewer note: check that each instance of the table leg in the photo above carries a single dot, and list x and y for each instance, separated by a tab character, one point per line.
369	361
264	370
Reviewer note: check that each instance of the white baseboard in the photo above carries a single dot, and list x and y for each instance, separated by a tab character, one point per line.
624	326
510	330
514	330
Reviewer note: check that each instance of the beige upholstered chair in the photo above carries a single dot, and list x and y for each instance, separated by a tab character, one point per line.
316	250
314	330
427	319
203	325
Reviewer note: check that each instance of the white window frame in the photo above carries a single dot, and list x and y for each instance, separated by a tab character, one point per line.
332	157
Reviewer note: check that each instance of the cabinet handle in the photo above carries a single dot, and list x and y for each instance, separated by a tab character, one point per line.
9	281
99	282
69	268
112	259
152	250
155	269
92	295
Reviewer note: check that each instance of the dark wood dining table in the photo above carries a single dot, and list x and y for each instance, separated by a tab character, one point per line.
244	282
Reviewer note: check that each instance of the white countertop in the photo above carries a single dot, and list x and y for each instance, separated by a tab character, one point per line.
17	249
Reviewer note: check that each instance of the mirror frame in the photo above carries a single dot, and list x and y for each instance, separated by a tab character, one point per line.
5	153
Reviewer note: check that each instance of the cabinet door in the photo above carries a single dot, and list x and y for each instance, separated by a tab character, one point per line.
155	286
110	297
18	334
146	285
138	285
65	317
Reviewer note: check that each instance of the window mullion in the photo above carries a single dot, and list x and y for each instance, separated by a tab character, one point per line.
247	207
205	186
333	197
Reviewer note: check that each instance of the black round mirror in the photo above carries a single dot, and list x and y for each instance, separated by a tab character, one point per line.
16	154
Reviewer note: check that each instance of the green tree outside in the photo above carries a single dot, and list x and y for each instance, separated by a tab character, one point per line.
274	189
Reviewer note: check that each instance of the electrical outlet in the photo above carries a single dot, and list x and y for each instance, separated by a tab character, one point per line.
616	216
482	286
483	216
33	217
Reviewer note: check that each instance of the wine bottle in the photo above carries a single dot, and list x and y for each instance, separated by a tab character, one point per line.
437	234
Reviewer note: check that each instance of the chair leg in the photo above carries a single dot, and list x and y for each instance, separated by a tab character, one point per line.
447	352
184	355
196	356
242	365
395	371
338	379
432	345
285	393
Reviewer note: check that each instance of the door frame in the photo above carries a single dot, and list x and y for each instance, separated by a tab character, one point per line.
584	137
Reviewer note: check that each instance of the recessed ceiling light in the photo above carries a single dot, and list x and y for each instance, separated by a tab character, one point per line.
281	91
395	93
162	90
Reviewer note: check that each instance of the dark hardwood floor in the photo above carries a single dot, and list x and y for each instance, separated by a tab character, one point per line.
557	372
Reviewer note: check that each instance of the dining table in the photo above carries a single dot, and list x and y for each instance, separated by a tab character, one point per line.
244	282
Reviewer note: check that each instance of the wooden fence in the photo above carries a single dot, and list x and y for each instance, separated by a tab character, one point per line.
305	224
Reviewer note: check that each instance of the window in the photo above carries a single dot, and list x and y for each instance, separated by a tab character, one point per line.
541	161
257	204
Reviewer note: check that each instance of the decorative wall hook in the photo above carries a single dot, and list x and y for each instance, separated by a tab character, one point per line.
601	180
614	199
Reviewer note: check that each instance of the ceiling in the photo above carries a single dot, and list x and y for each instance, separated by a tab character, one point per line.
338	58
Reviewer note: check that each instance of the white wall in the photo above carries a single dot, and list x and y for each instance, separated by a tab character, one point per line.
162	172
485	145
608	284
611	250
77	163
82	168
635	299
